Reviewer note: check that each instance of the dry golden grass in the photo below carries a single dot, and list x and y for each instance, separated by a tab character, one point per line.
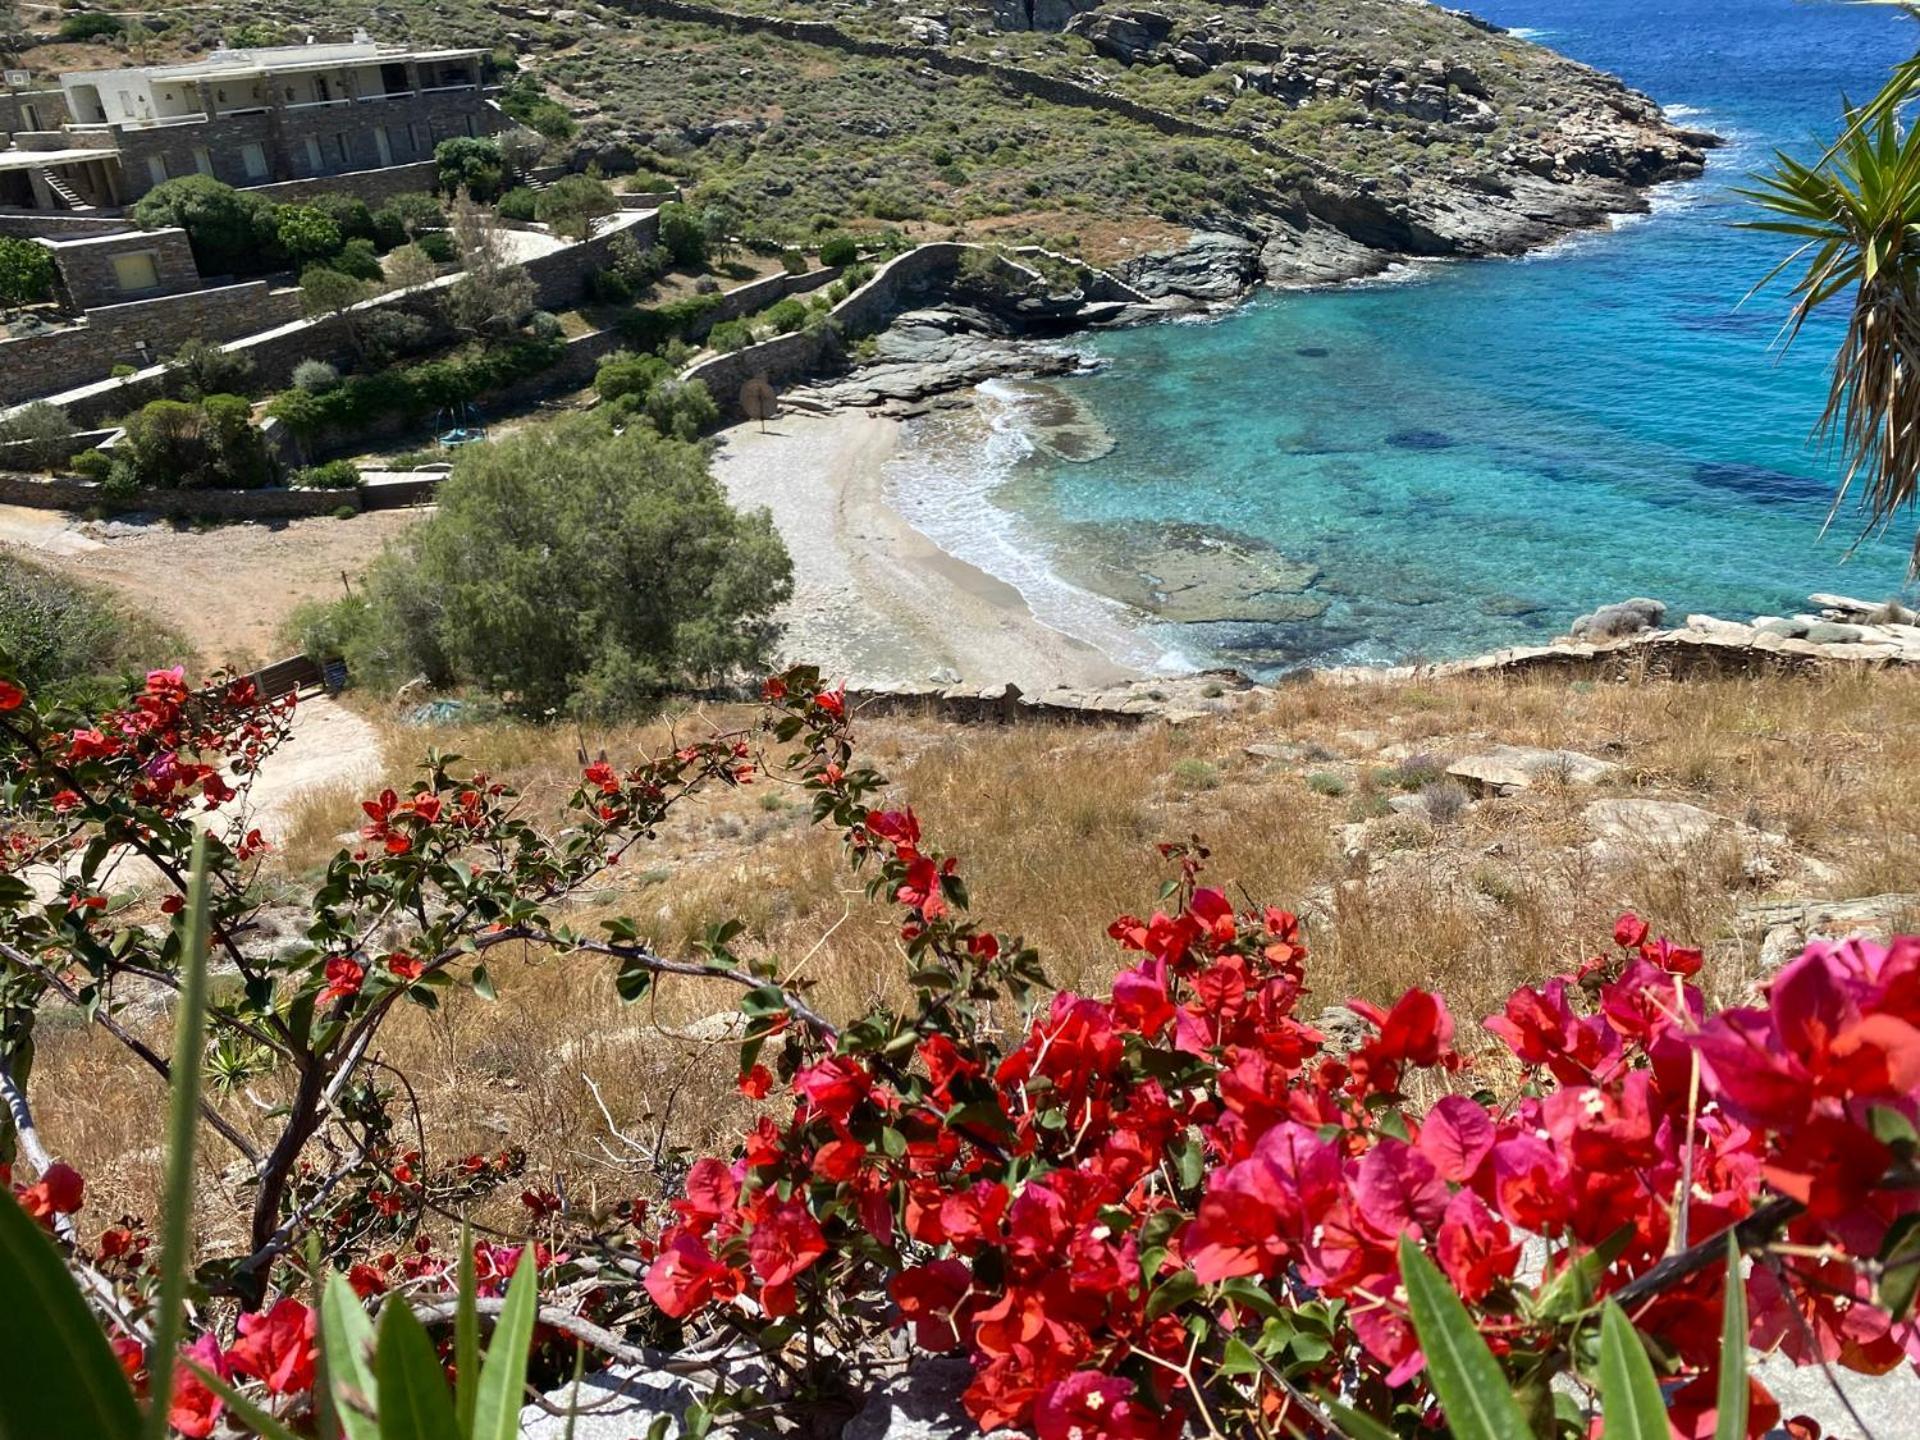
1056	827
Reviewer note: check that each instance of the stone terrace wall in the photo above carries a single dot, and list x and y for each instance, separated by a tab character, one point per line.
83	495
376	187
45	364
90	281
278	339
870	308
59	224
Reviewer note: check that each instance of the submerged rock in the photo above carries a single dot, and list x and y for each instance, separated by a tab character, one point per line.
1061	424
1628	617
1195	574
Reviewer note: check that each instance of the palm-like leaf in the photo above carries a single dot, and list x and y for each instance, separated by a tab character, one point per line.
1857	215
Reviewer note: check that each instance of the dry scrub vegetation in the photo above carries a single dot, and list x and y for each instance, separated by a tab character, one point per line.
1056	827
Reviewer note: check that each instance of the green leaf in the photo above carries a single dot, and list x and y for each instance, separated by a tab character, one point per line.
1571	1291
466	1336
1470	1385
1174	1291
483	984
414	1404
1899	1267
1630	1398
176	1237
1356	1425
57	1373
1239	1359
346	1343
504	1375
1731	1423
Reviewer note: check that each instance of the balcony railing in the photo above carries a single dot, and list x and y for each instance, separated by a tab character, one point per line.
320	104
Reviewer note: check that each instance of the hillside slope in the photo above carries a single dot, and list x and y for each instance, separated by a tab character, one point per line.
1310	140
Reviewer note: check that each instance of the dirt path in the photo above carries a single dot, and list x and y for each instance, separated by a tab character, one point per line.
227	588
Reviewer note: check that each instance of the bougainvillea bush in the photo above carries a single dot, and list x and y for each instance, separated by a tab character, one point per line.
1172	1208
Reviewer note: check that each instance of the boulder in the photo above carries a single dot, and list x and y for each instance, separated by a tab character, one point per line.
921	1403
1628	617
1128	36
1506	768
614	1404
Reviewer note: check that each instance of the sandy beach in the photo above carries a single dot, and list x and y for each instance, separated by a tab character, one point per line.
874	599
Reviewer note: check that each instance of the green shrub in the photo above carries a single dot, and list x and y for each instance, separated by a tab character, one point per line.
573	203
630	575
1325	782
316	376
683	236
91	465
787	316
730	335
608	287
438	247
839	250
358	260
26	271
91	25
682	409
349	213
232	232
334	475
635	375
413	390
38	436
1195	774
793	262
414	459
56	633
405	217
179	445
682	319
526	102
519	203
121	369
306	234
471	164
200	367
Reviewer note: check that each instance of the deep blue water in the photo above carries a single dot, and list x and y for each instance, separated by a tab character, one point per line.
1603	419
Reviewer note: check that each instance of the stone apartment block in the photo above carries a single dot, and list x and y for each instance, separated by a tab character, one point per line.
245	117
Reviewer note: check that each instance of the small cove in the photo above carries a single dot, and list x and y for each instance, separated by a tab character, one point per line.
1460	456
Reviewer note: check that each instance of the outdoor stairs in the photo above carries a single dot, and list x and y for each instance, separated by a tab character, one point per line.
68	197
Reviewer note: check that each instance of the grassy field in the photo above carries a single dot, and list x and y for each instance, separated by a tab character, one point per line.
1056	828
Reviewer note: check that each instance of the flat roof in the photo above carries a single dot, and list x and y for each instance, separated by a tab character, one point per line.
273	60
34	159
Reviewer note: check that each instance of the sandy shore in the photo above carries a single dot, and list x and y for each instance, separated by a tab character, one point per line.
874	599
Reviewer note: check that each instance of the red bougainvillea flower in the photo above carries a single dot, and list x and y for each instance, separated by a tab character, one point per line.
196	1409
403	966
757	1083
685	1276
1090	1406
344	978
277	1348
931	1299
784	1242
60	1191
12	697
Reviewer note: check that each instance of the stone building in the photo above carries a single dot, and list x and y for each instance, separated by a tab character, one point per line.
245	117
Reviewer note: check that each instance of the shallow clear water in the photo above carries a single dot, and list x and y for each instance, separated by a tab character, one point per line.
1474	453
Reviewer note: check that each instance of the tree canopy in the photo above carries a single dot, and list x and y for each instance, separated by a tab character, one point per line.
572	568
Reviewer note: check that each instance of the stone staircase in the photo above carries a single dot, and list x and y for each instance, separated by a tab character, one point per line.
69	198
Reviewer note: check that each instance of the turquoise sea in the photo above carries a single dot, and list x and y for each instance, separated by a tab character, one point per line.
1473	453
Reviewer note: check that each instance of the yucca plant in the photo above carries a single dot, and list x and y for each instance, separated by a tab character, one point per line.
59	1376
1856	211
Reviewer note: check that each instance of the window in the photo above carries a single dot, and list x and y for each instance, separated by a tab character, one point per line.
202	161
30	117
382	144
422	138
157	169
314	163
343	149
254	161
136	272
